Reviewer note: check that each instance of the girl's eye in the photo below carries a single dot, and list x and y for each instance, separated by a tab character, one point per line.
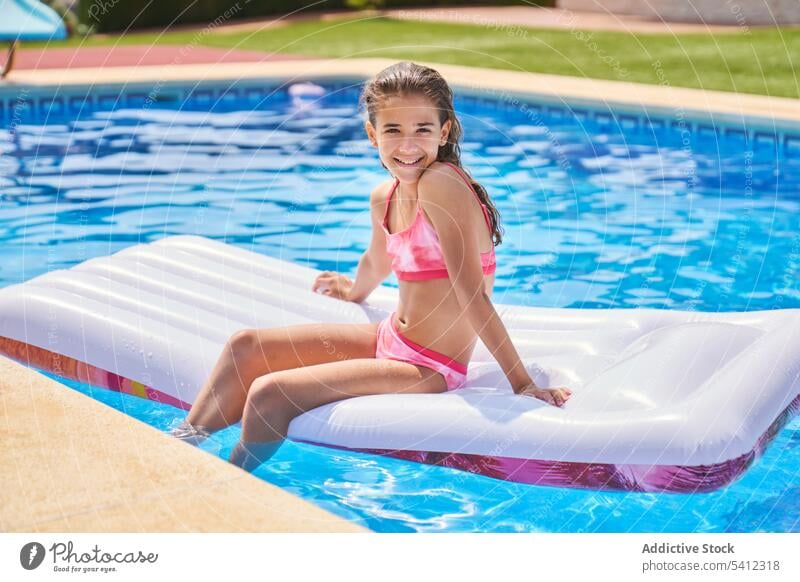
395	130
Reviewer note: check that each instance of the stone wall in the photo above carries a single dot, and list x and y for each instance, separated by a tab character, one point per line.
605	6
731	12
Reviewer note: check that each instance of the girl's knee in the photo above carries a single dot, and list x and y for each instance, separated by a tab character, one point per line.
267	411
270	393
242	342
249	349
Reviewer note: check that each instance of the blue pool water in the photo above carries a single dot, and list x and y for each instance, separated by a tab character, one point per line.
599	211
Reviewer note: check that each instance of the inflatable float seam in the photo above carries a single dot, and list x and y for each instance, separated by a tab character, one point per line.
259	293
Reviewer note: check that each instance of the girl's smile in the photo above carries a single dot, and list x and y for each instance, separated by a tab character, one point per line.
408	135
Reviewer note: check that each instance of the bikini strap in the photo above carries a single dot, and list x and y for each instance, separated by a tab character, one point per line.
388	200
471	187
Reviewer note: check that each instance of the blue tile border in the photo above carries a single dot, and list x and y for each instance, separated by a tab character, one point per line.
40	104
608	118
629	122
656	125
763	140
135	99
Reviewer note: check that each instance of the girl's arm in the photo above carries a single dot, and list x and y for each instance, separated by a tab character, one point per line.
374	265
487	323
443	194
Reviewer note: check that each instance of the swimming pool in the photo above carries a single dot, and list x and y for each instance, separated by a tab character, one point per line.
600	210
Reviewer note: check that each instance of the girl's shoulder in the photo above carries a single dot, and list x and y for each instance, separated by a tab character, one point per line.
439	166
379	196
441	175
381	191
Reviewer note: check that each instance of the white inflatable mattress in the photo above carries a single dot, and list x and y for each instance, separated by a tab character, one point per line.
662	400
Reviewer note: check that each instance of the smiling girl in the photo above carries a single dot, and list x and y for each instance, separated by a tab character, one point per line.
436	229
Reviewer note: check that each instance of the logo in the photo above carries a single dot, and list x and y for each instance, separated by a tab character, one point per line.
32	555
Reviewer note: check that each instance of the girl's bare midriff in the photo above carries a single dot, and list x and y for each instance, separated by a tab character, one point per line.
429	314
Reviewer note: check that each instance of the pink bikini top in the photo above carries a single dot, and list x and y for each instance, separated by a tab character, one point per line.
416	252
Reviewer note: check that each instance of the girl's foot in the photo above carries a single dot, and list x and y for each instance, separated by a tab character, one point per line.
194	435
249	456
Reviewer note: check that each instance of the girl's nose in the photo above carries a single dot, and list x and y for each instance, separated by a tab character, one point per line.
408	145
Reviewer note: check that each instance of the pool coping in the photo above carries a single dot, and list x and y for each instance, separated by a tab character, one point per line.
663	99
72	464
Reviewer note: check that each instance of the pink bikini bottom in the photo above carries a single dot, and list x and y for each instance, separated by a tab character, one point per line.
394	346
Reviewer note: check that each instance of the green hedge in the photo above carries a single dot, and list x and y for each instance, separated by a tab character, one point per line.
121	15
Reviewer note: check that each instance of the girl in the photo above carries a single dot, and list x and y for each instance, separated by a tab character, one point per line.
436	229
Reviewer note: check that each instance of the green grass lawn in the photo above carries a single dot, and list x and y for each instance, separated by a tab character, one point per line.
762	61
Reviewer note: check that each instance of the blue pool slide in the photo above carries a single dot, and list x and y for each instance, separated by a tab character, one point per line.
27	20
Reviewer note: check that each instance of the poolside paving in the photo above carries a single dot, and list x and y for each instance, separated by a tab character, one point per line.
137	56
71	464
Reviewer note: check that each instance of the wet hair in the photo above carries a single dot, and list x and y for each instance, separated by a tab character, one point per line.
406	78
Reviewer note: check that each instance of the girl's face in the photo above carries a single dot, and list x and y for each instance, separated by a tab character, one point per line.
408	135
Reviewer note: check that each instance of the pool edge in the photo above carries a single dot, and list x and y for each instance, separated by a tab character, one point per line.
61	473
656	98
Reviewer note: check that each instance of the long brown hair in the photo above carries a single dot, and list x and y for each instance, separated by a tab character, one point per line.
407	78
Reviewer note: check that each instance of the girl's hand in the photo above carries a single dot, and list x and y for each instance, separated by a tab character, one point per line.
333	285
554	396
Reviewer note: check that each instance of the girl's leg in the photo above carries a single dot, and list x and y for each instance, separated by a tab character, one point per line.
251	353
276	398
